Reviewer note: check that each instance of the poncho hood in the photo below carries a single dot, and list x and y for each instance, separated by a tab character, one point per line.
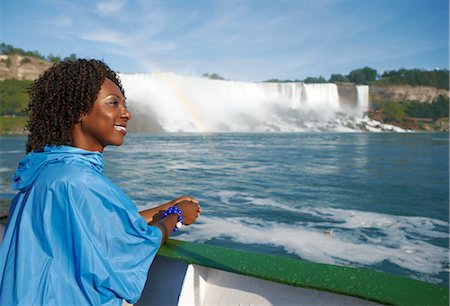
31	165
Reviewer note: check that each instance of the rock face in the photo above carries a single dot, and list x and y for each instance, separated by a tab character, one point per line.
21	67
347	94
405	93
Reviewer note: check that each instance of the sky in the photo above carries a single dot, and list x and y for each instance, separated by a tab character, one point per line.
240	40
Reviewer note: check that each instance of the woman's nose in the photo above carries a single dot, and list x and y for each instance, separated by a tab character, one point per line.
125	113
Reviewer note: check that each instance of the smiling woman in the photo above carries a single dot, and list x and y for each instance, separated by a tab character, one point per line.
106	123
63	96
73	237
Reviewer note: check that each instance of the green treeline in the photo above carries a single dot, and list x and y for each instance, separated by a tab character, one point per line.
369	76
438	109
213	76
13	102
416	77
11	50
13	97
397	111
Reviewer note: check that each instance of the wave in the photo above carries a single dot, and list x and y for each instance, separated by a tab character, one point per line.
337	236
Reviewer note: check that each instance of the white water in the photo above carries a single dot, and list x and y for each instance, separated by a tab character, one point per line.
353	237
194	104
362	94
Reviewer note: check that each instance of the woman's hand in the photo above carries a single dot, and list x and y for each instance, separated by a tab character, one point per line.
190	208
181	199
154	214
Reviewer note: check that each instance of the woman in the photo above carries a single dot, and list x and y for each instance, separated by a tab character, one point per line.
73	237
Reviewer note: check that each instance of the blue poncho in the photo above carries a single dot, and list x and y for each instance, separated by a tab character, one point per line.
73	237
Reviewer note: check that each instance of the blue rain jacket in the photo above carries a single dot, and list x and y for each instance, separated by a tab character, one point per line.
72	237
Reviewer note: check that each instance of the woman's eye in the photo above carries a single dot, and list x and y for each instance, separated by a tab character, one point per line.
125	104
114	102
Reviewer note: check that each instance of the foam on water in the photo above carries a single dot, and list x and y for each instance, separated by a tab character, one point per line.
336	236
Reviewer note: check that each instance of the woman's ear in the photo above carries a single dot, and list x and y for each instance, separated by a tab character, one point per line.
80	119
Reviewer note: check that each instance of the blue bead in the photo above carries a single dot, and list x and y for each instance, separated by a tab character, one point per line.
174	211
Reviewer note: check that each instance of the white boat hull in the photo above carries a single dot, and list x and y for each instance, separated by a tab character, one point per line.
176	283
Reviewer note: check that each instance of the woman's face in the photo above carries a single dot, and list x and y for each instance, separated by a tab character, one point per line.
106	123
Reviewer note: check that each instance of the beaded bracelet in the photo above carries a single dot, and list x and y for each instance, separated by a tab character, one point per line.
175	211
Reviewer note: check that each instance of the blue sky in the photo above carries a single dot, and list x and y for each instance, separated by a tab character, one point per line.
241	40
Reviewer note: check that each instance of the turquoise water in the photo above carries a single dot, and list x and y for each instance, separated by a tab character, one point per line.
375	200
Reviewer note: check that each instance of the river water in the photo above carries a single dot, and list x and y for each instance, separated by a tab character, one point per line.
372	200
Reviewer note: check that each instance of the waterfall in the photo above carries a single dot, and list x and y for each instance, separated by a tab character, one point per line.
175	103
362	96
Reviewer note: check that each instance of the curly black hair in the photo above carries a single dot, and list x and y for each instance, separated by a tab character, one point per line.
58	98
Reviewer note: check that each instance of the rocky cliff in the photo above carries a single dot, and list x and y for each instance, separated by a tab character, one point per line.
21	67
405	93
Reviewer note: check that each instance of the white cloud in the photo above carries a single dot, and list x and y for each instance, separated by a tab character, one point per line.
110	7
106	36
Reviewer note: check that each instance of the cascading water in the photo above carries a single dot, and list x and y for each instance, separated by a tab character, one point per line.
362	96
174	103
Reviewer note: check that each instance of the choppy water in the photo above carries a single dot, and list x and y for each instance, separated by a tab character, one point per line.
371	200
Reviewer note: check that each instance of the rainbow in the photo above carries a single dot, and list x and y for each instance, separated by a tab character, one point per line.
185	103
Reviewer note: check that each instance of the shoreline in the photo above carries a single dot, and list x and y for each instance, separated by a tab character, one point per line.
16	125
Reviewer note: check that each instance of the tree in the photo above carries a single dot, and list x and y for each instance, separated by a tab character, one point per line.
310	80
394	111
419	110
416	77
13	97
338	78
213	76
9	50
6	49
440	107
273	81
71	57
53	58
364	76
35	54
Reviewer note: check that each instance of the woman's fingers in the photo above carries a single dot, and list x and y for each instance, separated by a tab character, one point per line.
191	211
184	198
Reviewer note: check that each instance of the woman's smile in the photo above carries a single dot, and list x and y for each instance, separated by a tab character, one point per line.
121	128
